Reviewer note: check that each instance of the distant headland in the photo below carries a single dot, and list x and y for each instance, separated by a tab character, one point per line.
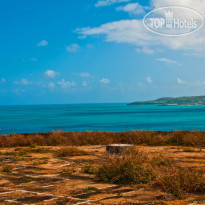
169	101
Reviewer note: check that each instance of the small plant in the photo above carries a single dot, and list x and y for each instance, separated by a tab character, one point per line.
88	170
32	146
66	152
22	152
27	180
90	188
6	168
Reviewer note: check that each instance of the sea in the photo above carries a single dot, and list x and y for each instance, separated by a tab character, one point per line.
116	117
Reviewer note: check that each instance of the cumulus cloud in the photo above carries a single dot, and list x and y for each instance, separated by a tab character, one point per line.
66	84
166	60
134	32
148	79
132	8
23	81
42	43
109	2
104	81
73	48
50	73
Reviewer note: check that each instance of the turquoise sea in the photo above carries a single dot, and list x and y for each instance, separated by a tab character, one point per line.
100	117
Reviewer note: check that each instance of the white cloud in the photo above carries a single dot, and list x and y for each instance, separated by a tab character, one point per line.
85	75
180	81
134	32
146	50
109	2
23	81
85	83
66	84
188	83
132	8
104	81
3	80
149	79
73	48
50	73
166	60
198	5
51	85
42	43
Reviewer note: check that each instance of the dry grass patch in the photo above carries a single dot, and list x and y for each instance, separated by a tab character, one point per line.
180	182
70	151
138	168
130	168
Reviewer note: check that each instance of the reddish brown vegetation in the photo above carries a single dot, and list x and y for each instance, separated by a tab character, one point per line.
185	138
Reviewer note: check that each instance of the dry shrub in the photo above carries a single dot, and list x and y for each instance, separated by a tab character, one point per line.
159	171
179	181
130	168
152	138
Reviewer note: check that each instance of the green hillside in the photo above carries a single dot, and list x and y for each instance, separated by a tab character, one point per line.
194	100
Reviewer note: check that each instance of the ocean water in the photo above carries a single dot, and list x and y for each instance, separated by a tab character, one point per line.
100	117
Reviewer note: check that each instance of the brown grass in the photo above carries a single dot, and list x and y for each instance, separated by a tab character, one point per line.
181	181
67	152
130	168
152	138
139	168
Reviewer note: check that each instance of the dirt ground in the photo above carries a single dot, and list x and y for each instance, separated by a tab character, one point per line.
43	178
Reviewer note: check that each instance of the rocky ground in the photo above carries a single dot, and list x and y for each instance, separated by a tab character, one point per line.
40	177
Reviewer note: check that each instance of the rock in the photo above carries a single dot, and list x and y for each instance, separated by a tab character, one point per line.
118	148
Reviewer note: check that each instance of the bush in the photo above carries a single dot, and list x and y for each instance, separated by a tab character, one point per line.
179	182
88	170
130	168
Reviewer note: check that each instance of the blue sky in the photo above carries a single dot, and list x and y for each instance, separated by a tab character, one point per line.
94	51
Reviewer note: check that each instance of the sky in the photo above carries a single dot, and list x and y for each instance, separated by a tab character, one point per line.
94	51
